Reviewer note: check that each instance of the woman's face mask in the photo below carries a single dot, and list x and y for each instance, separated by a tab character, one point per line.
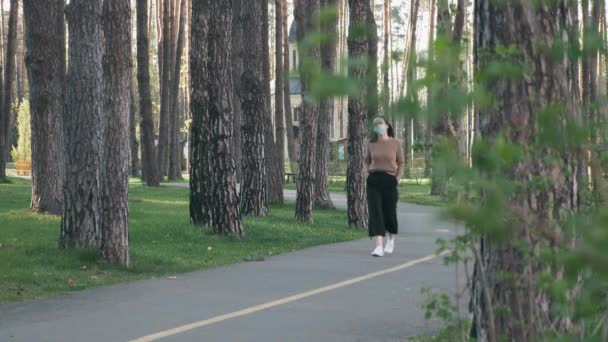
380	129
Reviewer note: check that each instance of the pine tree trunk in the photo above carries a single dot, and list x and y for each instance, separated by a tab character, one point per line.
508	275
165	98
253	196
149	165
279	113
386	62
291	149
358	48
372	65
175	163
326	112
201	206
237	53
304	13
45	39
3	120
115	162
80	225
428	129
410	78
133	143
274	167
9	80
213	193
226	215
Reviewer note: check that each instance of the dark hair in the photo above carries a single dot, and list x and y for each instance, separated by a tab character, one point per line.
390	131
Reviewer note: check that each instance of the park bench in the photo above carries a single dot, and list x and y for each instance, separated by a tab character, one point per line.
289	176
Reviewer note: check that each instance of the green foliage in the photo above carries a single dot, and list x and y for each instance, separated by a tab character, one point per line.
23	150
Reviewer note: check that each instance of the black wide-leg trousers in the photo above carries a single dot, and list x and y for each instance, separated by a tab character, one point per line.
382	197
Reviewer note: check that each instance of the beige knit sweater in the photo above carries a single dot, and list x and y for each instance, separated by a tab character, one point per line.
385	155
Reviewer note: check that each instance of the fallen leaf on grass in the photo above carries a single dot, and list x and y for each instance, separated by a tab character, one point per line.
71	282
84	268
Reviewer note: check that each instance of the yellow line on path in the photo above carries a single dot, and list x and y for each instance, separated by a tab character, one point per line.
268	305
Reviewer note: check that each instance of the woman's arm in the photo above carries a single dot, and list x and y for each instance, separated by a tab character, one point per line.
400	161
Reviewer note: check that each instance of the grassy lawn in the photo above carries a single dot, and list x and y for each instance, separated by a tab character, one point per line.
163	242
410	191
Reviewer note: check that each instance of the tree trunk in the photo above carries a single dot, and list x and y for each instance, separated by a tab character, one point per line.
358	48
213	190
508	270
386	98
133	144
9	80
254	200
274	167
428	129
237	53
115	162
304	13
372	65
175	163
80	225
46	69
165	98
326	111
279	113
291	149
201	205
410	78
3	123
150	172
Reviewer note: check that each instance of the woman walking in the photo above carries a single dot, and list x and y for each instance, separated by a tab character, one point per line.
384	163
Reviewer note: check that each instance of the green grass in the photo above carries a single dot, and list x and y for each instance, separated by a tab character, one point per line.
410	191
162	242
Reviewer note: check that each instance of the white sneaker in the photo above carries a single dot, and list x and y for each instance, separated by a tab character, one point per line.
390	246
378	252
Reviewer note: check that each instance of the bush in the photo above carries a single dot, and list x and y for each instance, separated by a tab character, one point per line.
23	150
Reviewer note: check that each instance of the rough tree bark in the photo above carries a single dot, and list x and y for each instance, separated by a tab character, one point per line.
80	224
226	215
46	65
237	55
358	50
133	143
274	167
326	109
279	113
115	155
165	98
508	272
175	162
291	149
372	65
201	206
304	13
254	200
213	190
7	123
150	172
